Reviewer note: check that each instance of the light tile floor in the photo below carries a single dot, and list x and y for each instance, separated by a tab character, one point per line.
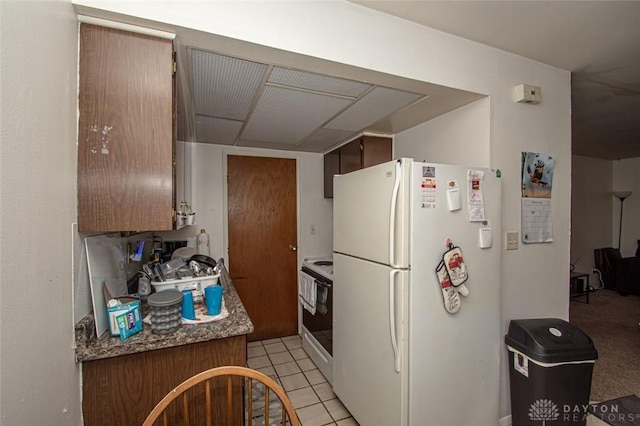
310	393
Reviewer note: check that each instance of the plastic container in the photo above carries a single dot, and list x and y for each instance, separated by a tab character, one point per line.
550	369
166	311
202	243
183	253
144	286
213	298
171	266
187	305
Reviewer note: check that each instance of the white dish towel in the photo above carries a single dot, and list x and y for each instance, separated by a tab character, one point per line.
307	292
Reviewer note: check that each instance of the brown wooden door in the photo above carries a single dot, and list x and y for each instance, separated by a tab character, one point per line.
262	242
125	133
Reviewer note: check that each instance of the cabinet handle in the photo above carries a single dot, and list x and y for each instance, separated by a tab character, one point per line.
292	247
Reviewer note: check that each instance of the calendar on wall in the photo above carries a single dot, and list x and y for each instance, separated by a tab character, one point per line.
536	220
537	183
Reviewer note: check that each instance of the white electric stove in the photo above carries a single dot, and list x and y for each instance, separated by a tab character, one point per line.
317	328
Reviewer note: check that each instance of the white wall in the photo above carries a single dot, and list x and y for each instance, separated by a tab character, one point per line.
39	379
591	214
461	137
626	177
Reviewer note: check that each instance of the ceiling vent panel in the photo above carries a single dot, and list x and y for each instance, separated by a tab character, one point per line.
288	116
224	87
265	145
377	104
323	139
317	83
217	130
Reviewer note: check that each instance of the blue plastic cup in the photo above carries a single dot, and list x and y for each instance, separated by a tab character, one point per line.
213	298
187	305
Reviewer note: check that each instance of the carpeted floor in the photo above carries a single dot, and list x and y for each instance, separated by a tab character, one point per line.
618	412
612	321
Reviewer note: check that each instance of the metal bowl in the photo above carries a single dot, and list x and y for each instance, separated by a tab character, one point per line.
204	260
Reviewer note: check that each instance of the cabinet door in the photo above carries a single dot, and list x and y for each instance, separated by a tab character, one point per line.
365	151
350	157
331	167
375	150
125	135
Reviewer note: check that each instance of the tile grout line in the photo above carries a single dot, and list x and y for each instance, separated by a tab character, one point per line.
288	350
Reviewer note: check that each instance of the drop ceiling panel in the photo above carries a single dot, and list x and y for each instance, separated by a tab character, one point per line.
231	101
217	130
323	139
317	82
224	87
265	145
377	104
287	116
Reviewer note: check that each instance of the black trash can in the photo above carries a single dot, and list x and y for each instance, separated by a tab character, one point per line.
550	368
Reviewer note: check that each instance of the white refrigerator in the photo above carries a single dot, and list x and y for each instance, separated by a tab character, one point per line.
400	358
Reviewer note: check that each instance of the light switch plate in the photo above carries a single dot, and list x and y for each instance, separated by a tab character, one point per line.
512	241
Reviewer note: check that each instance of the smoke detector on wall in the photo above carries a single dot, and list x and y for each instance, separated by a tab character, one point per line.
528	94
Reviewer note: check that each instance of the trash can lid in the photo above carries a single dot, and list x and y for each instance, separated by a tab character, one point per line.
550	340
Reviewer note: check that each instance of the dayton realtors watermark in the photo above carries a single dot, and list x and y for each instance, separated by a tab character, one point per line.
611	413
545	410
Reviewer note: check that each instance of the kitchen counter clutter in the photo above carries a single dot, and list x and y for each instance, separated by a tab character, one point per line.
237	323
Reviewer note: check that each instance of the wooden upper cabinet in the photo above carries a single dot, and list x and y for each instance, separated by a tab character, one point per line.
350	156
126	137
375	150
331	167
366	151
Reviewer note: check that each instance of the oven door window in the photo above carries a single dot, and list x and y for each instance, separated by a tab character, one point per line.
320	325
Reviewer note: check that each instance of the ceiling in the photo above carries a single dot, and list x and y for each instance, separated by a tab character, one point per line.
272	101
283	100
598	41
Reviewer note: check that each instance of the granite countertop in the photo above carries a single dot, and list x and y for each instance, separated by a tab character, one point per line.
89	348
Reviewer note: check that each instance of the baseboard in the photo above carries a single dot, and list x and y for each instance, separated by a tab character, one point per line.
505	421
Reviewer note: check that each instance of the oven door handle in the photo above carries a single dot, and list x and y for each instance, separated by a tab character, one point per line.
323	284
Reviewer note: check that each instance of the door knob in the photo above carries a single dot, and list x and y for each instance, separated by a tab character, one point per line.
292	247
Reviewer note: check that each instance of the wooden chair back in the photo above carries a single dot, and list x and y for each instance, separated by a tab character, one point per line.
208	412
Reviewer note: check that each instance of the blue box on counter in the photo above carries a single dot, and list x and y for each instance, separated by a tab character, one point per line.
125	318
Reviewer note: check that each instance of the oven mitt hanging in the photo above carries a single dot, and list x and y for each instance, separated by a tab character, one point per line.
463	290
449	292
455	266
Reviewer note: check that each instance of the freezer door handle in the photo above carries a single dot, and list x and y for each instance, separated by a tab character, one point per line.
392	319
392	216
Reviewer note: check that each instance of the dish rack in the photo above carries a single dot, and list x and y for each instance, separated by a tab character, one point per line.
194	283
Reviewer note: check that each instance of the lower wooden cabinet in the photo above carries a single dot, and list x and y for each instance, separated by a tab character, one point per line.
360	153
123	390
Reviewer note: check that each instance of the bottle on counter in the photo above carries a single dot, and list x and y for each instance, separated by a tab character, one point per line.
202	243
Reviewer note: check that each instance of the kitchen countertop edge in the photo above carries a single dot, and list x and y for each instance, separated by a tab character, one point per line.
90	348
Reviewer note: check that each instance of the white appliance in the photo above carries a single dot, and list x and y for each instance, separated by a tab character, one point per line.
317	335
399	358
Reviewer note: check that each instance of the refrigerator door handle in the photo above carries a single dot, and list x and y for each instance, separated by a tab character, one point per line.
392	216
392	319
